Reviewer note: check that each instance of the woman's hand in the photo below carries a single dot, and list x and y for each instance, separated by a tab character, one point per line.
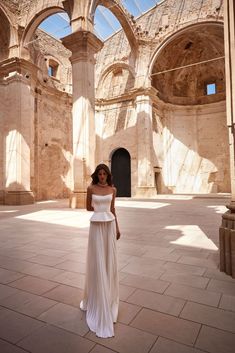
118	234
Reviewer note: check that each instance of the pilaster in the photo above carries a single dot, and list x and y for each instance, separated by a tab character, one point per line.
83	45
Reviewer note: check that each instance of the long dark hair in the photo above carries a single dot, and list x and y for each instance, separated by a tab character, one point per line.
94	175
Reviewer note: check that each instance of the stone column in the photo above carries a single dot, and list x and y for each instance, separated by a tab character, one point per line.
18	124
83	45
227	229
145	171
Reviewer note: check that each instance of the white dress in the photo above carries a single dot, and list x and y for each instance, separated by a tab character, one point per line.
101	294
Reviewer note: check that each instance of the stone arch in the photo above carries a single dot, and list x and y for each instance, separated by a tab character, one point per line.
171	37
189	82
115	67
35	21
121	14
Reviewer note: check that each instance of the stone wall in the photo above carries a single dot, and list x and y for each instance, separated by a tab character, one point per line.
190	141
116	128
191	149
53	148
45	50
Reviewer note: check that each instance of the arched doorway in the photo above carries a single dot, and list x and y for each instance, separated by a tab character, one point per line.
121	171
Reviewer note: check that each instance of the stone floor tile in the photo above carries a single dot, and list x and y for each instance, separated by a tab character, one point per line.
126	340
164	345
71	278
155	301
122	275
167	326
15	326
185	278
45	260
130	251
6	291
127	312
41	271
142	270
215	341
210	316
189	260
12	264
193	294
101	349
125	292
161	253
147	283
66	294
79	256
34	285
184	268
224	287
39	248
227	302
73	266
7	276
66	317
27	303
192	253
215	274
6	347
51	339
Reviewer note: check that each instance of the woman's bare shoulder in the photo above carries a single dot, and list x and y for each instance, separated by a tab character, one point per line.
114	190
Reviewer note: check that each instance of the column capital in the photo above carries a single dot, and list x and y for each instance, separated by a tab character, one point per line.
82	44
143	98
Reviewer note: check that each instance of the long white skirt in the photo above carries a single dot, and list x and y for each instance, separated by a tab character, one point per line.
101	295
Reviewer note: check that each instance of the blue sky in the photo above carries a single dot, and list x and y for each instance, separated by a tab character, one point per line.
105	23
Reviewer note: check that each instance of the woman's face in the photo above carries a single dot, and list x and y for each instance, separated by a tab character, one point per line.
102	176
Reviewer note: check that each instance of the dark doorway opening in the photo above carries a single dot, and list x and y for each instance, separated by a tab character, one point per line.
121	171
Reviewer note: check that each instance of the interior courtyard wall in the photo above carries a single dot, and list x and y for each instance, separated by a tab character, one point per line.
191	149
53	155
116	128
53	119
115	110
16	125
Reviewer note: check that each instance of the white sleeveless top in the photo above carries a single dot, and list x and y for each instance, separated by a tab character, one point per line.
101	205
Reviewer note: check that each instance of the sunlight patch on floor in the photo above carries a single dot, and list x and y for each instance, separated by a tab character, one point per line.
219	209
192	236
78	219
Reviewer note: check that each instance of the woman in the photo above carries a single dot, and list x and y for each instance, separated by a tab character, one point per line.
101	295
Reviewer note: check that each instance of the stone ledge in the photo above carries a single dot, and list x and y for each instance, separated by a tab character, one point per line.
18	198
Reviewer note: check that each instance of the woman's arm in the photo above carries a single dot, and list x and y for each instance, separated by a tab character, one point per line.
89	199
114	213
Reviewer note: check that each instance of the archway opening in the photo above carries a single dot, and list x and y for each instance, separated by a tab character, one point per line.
189	113
121	171
189	64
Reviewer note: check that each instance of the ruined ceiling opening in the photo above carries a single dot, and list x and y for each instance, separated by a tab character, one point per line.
187	86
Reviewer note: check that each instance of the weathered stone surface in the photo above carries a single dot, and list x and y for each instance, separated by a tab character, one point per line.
185	147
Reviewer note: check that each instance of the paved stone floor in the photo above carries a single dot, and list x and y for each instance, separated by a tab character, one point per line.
173	297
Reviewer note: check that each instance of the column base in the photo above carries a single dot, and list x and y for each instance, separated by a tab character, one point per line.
18	198
77	199
227	243
145	191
